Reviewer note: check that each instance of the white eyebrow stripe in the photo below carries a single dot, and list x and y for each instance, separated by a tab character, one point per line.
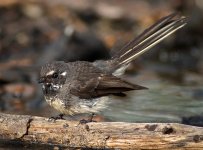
50	73
64	73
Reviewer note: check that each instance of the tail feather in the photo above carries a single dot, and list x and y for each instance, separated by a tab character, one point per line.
150	41
144	34
149	38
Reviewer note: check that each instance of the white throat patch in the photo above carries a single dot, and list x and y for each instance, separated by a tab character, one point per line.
56	87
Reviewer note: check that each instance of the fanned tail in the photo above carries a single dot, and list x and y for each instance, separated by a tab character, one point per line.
149	38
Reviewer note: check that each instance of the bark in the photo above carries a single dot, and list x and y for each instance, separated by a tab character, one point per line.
31	130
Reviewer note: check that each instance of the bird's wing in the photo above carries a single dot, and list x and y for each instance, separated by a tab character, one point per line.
101	85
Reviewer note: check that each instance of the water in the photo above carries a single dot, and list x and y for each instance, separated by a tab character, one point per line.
162	102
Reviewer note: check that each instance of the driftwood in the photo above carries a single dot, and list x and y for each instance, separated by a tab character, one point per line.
19	129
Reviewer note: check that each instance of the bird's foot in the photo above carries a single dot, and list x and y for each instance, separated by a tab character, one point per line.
90	119
54	118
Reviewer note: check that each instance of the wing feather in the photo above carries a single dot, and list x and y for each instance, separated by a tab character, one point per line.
102	85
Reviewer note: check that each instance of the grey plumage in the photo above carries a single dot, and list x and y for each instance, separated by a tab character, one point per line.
82	87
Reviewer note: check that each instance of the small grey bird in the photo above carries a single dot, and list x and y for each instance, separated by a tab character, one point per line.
83	87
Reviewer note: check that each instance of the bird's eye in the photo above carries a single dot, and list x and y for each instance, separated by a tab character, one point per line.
55	75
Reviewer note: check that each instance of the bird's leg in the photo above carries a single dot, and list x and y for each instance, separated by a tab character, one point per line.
91	117
54	118
84	121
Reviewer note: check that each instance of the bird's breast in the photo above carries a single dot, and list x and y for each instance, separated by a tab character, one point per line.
77	105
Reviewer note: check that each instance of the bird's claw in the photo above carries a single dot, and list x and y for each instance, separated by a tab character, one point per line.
85	121
54	118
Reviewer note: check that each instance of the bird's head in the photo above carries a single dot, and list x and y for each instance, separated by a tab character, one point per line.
53	76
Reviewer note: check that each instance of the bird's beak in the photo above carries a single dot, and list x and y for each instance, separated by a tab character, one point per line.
41	80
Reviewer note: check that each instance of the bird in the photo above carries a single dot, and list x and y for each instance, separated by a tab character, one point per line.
85	87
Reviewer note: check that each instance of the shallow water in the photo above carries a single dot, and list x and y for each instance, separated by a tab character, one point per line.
162	102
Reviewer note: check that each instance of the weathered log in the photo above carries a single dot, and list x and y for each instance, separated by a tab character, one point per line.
38	130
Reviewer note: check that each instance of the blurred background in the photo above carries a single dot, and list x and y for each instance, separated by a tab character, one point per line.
35	32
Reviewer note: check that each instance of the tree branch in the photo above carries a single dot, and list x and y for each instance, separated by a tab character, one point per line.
38	130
